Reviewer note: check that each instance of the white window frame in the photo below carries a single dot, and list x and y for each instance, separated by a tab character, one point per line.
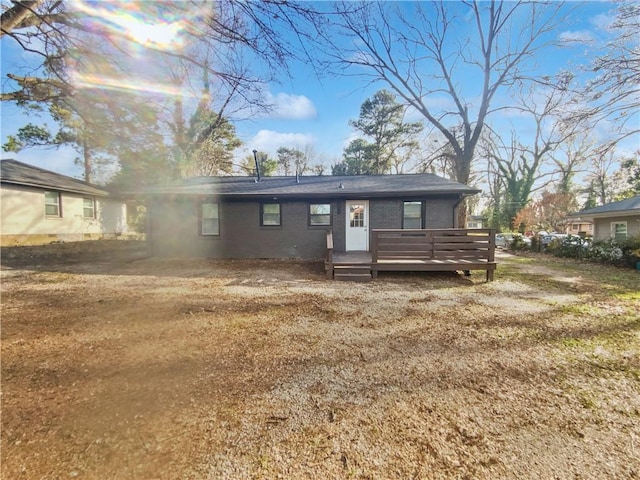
210	219
49	203
85	208
614	232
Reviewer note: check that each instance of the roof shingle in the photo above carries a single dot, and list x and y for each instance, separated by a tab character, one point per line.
315	186
18	173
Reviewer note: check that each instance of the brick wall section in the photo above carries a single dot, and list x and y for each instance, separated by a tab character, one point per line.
174	227
385	213
175	231
440	212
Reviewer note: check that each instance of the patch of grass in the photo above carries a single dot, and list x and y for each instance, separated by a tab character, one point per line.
587	400
53	277
630	295
596	278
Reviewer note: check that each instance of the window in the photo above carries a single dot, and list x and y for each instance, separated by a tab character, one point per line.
270	215
52	204
88	208
356	215
210	223
320	214
412	216
619	230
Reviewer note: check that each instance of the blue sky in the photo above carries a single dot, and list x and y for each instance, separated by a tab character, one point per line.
315	112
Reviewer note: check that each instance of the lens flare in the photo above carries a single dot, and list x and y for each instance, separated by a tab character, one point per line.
111	83
140	30
127	20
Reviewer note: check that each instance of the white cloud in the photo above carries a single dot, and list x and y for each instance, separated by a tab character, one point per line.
289	106
269	141
603	21
577	36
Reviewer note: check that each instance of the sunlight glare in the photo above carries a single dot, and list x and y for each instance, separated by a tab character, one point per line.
123	20
94	81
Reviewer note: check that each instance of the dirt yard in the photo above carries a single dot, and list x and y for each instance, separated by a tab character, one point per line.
115	366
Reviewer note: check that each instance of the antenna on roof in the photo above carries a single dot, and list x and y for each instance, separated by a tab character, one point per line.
255	158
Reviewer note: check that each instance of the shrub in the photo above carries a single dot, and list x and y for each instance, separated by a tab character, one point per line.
615	252
518	244
571	246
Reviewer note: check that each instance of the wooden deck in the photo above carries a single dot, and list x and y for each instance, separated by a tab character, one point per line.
415	250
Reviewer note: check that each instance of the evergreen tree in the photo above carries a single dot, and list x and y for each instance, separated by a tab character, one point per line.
390	141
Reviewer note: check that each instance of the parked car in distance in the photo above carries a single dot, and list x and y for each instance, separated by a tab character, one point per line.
545	240
504	240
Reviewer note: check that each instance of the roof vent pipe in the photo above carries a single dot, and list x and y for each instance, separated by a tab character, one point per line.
255	158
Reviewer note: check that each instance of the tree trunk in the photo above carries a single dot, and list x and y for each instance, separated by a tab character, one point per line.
88	176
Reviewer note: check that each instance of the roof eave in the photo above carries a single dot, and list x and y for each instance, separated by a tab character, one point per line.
98	193
302	196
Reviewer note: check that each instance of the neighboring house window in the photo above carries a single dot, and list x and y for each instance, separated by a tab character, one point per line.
210	223
619	230
412	216
320	214
575	227
270	215
89	208
52	204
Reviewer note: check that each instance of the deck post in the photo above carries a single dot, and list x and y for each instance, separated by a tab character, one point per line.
328	266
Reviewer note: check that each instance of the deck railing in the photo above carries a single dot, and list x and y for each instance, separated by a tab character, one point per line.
434	249
425	250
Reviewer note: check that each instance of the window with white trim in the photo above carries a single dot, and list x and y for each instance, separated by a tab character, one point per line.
52	204
619	230
88	207
210	219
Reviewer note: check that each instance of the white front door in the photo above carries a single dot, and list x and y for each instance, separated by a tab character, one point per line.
357	231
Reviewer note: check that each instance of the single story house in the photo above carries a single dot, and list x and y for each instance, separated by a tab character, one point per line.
578	226
39	206
618	220
474	221
288	217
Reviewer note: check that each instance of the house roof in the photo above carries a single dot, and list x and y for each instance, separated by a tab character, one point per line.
18	173
628	206
323	186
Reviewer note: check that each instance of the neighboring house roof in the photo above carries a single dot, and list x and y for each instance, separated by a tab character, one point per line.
323	186
628	206
18	173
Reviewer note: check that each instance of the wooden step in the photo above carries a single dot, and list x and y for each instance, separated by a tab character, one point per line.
352	273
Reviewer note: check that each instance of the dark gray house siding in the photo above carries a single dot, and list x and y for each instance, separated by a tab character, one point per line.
174	226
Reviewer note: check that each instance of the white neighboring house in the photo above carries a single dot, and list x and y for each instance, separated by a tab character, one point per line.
618	220
39	206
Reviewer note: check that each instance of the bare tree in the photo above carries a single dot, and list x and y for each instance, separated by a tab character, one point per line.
79	48
613	96
420	56
518	164
604	178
